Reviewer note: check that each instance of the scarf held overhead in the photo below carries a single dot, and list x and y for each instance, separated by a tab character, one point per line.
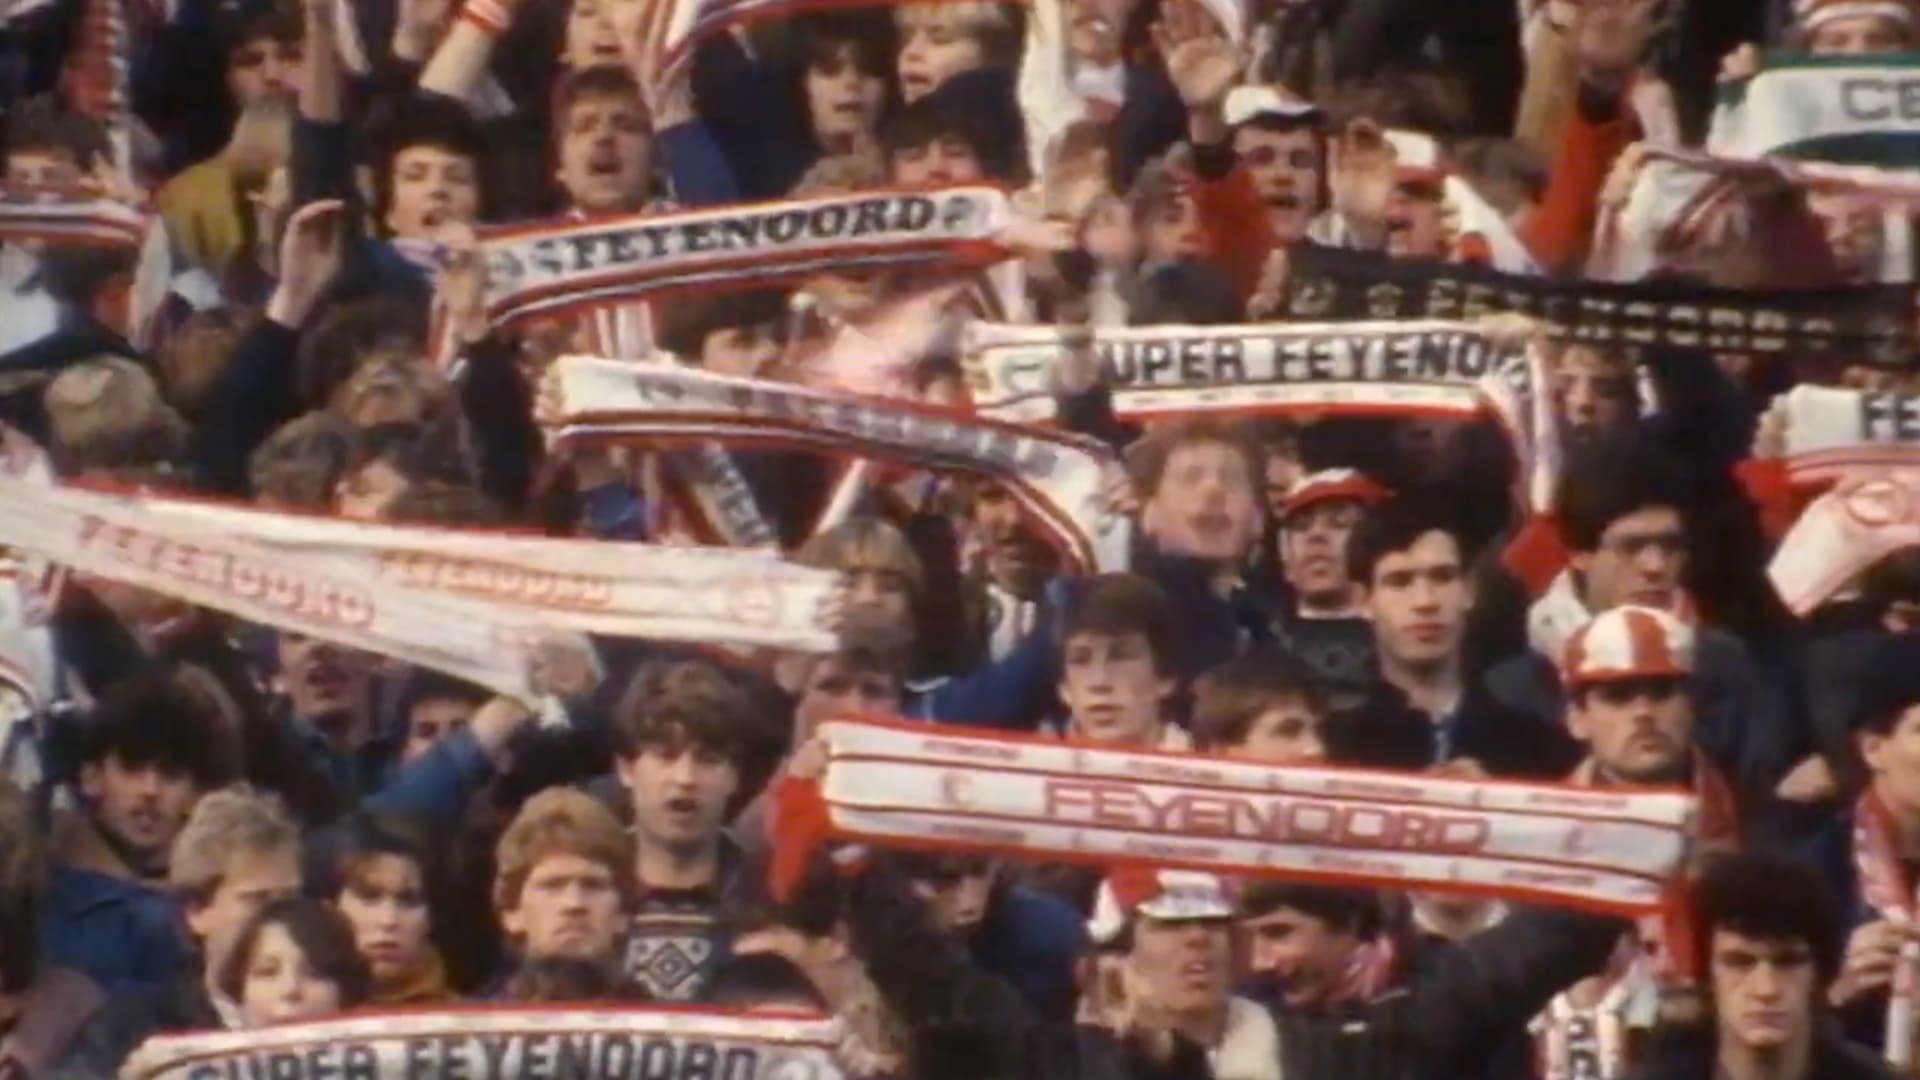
1850	110
903	785
528	1043
1861	324
1884	885
1869	515
1403	369
561	265
1057	477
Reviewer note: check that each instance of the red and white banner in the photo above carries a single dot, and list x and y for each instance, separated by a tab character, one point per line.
469	604
1057	477
1867	516
569	265
500	1042
1407	369
914	786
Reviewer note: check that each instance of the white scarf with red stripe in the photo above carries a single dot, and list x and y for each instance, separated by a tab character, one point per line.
1831	431
467	603
1404	368
529	1041
914	786
1058	478
1869	515
571	265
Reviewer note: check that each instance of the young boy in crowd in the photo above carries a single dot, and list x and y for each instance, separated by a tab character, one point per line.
691	747
1265	706
1117	678
1410	563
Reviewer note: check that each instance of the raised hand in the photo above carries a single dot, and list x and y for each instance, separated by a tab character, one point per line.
642	28
463	282
311	254
1363	178
1202	63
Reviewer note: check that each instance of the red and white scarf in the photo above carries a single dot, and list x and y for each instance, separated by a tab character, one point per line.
1869	515
909	785
482	1041
571	265
470	604
1057	477
1885	886
1405	369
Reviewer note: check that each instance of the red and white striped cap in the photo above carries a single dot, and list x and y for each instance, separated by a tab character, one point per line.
1813	14
1328	485
1170	895
1628	642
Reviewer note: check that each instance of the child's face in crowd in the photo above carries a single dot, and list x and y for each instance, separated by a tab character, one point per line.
263	66
934	47
606	154
1017	559
1595	390
1183	966
680	793
1419	599
1205	506
1638	730
745	351
1113	688
1763	991
1858	35
281	986
1301	950
141	806
569	907
1285	169
1894	759
592	38
37	168
1288	733
1639	560
385	901
842	100
431	187
1313	547
882	594
947	159
837	686
431	721
319	677
1416	223
1171	230
250	880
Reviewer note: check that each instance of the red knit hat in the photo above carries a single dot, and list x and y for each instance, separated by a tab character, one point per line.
1330	484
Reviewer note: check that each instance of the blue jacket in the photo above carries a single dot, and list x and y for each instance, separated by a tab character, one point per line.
118	933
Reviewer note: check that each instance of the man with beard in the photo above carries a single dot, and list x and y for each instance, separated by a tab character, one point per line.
1322	622
152	746
1426	707
691	747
